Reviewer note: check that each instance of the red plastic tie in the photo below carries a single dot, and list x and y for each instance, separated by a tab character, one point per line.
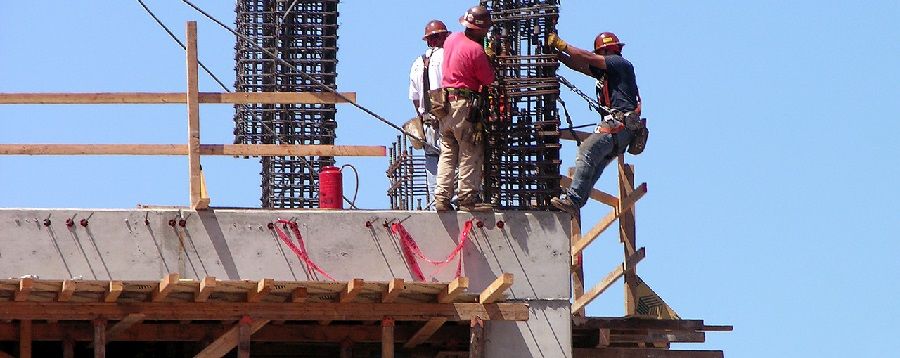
411	251
301	250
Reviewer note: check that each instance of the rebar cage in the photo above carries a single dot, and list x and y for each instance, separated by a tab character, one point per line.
304	34
406	173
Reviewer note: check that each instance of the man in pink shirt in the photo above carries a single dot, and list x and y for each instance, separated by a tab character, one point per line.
466	70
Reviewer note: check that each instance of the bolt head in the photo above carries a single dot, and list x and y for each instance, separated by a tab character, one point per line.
83	222
500	224
46	222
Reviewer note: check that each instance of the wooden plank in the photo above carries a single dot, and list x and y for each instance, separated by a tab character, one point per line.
26	284
595	194
566	134
68	347
347	348
66	290
387	337
394	289
636	323
113	291
627	228
659	337
99	338
455	288
476	338
123	325
204	193
717	328
227	341
298	295
176	98
425	332
192	97
244	338
495	290
354	287
607	281
262	289
166	284
207	287
642	353
25	339
176	311
603	338
609	219
577	259
205	149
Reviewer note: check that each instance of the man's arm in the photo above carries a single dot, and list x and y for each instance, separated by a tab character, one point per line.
416	103
484	72
576	58
571	63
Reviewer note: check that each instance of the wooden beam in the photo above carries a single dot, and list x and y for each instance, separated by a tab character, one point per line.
311	311
66	291
123	325
607	281
603	339
642	353
595	194
628	229
299	295
25	339
205	149
352	290
6	355
166	284
244	338
566	134
577	258
387	337
113	291
425	332
99	338
495	290
227	341
263	287
192	97
68	347
455	288
636	323
24	290
176	98
609	219
394	289
347	348
476	338
207	287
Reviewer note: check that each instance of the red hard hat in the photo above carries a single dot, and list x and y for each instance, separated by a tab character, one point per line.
434	27
477	18
607	39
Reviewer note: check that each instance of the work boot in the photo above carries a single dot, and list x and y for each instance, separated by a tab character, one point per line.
476	207
442	206
565	205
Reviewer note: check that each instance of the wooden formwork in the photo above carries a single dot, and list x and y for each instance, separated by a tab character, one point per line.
230	314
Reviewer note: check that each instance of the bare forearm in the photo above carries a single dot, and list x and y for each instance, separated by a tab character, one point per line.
572	63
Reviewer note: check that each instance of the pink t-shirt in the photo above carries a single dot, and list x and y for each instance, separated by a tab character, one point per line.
465	64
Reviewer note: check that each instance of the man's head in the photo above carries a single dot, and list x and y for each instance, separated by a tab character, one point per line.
435	33
607	43
477	21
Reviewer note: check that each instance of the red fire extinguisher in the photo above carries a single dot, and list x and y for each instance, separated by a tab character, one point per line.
331	188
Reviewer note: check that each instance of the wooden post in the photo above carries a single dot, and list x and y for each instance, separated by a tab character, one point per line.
25	339
347	348
627	231
578	259
387	337
99	338
476	338
193	105
68	347
244	338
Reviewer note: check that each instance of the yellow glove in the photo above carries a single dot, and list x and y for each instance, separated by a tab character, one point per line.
490	53
478	132
554	41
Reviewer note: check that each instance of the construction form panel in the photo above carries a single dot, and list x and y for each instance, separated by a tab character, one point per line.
304	34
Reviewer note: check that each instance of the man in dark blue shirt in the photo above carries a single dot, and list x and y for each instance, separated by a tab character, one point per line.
617	90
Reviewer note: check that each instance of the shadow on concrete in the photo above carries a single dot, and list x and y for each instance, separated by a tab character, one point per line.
217	238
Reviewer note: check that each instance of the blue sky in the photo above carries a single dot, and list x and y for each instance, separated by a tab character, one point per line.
772	164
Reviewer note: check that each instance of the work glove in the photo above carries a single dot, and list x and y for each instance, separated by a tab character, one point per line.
478	133
492	56
554	40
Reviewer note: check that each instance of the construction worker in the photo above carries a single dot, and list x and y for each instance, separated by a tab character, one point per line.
618	91
467	71
424	76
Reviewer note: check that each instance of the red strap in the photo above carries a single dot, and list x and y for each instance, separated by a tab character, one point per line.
301	250
411	250
606	100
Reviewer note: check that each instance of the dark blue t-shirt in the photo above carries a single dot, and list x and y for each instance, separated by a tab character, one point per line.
623	89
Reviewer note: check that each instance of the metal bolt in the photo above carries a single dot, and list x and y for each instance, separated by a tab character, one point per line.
147	222
70	222
182	222
368	224
83	222
479	224
46	222
500	224
271	226
172	222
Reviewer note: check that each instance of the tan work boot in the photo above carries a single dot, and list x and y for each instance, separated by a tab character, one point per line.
476	207
442	206
565	205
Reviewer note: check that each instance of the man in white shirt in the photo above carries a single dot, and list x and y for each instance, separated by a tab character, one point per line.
419	85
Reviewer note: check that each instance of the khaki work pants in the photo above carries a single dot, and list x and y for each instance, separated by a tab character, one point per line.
459	153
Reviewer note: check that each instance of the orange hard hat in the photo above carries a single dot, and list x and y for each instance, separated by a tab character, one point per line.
607	39
477	17
434	27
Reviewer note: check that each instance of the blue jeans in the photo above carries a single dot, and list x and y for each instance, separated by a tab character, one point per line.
431	165
594	154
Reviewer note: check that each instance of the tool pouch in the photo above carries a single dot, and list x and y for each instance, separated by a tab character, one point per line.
440	107
640	133
414	126
476	110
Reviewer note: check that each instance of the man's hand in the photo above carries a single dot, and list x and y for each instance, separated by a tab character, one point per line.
555	41
478	132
